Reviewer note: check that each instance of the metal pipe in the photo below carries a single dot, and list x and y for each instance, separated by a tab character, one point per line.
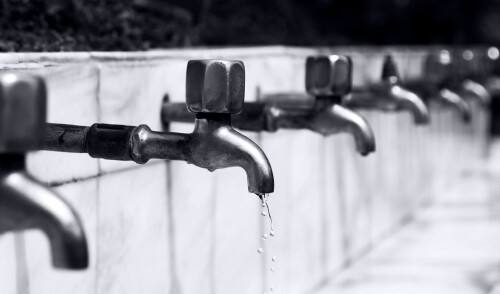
67	138
214	144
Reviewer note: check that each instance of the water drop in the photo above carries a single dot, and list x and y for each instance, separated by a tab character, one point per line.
266	211
274	258
264	237
271	289
260	250
272	269
272	232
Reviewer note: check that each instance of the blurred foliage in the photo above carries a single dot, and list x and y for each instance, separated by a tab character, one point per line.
61	25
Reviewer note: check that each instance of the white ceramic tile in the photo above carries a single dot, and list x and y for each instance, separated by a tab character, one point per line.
131	93
337	233
12	275
357	204
379	173
276	147
134	250
297	158
238	234
192	204
193	207
275	74
43	278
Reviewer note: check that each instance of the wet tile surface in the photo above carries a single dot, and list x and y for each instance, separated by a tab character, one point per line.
451	247
11	271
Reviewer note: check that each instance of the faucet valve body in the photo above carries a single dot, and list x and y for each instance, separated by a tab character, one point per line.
329	76
22	112
215	86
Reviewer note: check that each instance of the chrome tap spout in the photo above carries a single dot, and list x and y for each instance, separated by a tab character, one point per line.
389	95
27	204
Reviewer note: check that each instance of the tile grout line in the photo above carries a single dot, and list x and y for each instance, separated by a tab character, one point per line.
97	202
213	244
98	182
174	281
323	192
54	184
22	269
170	234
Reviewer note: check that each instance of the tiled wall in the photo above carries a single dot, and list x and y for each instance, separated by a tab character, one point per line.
169	227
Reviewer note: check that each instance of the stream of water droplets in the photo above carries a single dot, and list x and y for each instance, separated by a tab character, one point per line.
266	212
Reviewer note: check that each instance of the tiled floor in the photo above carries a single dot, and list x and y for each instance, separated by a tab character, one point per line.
451	247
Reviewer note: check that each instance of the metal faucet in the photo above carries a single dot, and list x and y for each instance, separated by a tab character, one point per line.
214	90
469	71
25	203
437	72
389	95
328	79
489	74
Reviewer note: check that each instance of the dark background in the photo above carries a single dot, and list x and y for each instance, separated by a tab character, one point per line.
75	25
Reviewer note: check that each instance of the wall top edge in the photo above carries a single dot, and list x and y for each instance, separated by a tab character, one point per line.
48	58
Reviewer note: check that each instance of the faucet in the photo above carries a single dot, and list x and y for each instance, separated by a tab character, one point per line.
389	95
468	69
25	203
437	72
328	79
489	74
215	89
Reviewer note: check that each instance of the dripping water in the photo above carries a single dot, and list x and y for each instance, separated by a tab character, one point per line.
266	212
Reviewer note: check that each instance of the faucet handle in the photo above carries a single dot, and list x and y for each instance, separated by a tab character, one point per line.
471	63
215	86
489	61
390	70
328	75
22	112
438	66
